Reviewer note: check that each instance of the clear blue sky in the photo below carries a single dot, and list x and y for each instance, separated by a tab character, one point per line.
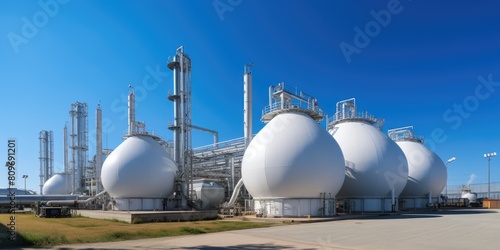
419	68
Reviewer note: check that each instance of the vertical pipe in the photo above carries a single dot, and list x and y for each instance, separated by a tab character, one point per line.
270	98
79	133
232	173
247	105
98	149
65	149
73	148
182	86
282	95
51	155
177	107
184	89
131	112
85	143
41	157
46	155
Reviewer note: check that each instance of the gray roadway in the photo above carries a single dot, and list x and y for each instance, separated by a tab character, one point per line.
453	229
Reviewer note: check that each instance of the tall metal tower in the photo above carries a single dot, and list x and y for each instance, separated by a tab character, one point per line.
46	156
98	148
247	104
181	67
79	144
66	162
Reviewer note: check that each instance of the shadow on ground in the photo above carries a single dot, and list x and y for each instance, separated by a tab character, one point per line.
245	247
205	247
6	243
465	211
401	217
429	214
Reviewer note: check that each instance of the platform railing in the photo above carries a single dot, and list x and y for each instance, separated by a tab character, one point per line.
365	115
276	106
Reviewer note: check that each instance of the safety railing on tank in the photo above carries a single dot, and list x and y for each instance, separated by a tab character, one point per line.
276	106
142	132
406	137
364	115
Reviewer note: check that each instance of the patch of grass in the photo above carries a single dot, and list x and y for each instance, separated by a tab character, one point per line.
119	235
136	220
116	220
44	239
192	230
37	231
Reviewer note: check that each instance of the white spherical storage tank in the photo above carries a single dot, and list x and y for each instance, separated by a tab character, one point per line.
290	163
427	172
376	168
138	174
58	184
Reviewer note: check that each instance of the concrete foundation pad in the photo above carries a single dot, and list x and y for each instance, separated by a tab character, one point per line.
149	216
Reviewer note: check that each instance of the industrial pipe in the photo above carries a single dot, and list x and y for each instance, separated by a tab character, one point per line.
235	193
247	104
215	133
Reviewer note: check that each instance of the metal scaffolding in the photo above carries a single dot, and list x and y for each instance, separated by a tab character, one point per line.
284	100
346	111
46	156
181	67
98	149
79	145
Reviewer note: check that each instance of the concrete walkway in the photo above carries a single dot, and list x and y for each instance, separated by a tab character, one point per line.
451	229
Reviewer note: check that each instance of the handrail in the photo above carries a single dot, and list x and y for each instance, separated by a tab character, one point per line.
359	115
276	106
404	134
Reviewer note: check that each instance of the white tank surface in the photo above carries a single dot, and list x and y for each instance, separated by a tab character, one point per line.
427	172
139	168
471	196
209	192
293	157
375	165
58	184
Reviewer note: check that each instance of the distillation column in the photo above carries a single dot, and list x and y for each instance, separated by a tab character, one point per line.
98	148
247	127
79	144
65	143
131	112
46	156
247	106
181	67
